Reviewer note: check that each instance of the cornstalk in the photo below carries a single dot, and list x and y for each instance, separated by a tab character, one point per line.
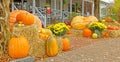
4	26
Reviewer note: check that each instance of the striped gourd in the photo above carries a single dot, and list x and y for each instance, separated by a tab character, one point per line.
51	46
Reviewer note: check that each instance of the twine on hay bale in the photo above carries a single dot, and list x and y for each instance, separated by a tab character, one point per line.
37	46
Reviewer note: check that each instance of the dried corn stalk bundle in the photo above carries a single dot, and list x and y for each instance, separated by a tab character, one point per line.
4	26
37	46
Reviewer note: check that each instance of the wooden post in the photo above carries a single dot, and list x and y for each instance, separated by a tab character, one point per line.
70	6
83	7
33	9
4	25
61	9
97	8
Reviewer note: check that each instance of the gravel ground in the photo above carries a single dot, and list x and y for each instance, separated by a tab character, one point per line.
89	50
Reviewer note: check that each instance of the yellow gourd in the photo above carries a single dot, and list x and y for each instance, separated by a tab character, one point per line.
51	46
45	33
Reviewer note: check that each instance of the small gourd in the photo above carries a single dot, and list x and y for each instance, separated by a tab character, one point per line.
51	46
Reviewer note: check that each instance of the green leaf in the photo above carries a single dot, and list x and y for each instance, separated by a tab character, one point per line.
77	4
98	32
64	1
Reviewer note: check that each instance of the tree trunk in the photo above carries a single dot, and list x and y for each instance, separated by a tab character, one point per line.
4	26
97	8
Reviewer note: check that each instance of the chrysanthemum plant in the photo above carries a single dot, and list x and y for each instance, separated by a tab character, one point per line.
58	29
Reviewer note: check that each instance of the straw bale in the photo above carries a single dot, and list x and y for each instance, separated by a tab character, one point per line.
37	46
112	23
76	33
59	43
113	33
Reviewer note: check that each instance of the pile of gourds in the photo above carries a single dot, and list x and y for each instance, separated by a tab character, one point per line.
18	46
52	43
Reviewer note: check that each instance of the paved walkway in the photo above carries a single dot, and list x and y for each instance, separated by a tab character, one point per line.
92	50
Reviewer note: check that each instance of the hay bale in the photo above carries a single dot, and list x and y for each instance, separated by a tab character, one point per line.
59	43
76	33
112	24
37	46
113	33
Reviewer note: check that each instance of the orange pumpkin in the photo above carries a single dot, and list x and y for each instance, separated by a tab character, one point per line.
27	18
69	32
87	32
105	35
18	47
19	17
66	44
108	19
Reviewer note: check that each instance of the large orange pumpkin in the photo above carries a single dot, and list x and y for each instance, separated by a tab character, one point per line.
90	19
14	13
38	21
78	22
51	46
66	44
87	32
18	47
